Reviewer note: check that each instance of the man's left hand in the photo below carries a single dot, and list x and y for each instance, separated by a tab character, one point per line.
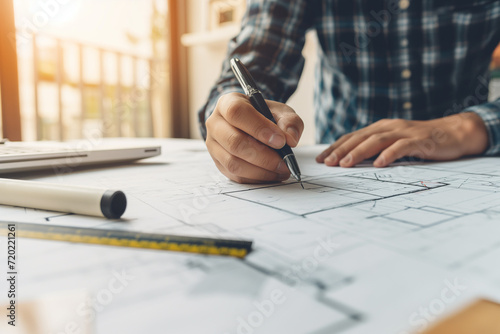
444	138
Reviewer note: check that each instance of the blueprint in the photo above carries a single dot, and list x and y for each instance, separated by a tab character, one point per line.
359	250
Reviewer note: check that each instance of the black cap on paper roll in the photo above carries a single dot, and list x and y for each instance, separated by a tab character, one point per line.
113	204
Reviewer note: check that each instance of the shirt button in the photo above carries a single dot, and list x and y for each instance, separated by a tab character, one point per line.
404	42
406	74
404	4
407	105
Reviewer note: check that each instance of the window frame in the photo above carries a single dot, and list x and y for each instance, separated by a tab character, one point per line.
9	80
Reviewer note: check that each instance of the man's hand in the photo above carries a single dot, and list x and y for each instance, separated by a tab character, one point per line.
445	138
239	139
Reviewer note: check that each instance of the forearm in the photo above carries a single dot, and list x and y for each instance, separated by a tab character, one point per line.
469	130
489	113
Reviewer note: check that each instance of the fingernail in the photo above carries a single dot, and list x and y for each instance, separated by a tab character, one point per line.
276	141
294	133
284	177
282	168
332	159
347	160
379	162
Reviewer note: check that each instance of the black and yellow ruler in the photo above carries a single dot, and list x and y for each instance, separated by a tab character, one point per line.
200	245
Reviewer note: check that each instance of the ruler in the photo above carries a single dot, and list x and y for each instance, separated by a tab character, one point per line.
168	242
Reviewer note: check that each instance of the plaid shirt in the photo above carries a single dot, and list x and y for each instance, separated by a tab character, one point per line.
409	59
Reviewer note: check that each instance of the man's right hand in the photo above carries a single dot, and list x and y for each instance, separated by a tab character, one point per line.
241	140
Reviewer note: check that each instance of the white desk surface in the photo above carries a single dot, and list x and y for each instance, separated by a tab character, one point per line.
361	250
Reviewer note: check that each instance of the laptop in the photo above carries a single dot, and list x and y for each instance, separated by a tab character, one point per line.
67	156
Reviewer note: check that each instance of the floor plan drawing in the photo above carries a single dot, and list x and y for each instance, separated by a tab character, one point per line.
362	249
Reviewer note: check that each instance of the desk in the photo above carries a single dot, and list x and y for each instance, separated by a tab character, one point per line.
361	250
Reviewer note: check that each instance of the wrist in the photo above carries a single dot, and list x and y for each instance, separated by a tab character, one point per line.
472	133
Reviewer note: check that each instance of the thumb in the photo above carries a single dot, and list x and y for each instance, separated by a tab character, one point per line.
288	121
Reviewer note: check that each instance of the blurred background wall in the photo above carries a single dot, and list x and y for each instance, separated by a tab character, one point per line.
130	68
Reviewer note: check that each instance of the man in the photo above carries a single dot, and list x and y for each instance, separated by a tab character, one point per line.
397	78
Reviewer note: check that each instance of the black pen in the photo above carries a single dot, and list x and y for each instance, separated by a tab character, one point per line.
254	94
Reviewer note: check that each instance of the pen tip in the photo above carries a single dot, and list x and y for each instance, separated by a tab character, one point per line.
301	184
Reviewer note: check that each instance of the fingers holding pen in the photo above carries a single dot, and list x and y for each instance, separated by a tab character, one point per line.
241	140
237	110
288	121
242	171
245	147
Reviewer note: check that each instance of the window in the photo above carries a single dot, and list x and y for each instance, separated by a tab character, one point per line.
94	68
